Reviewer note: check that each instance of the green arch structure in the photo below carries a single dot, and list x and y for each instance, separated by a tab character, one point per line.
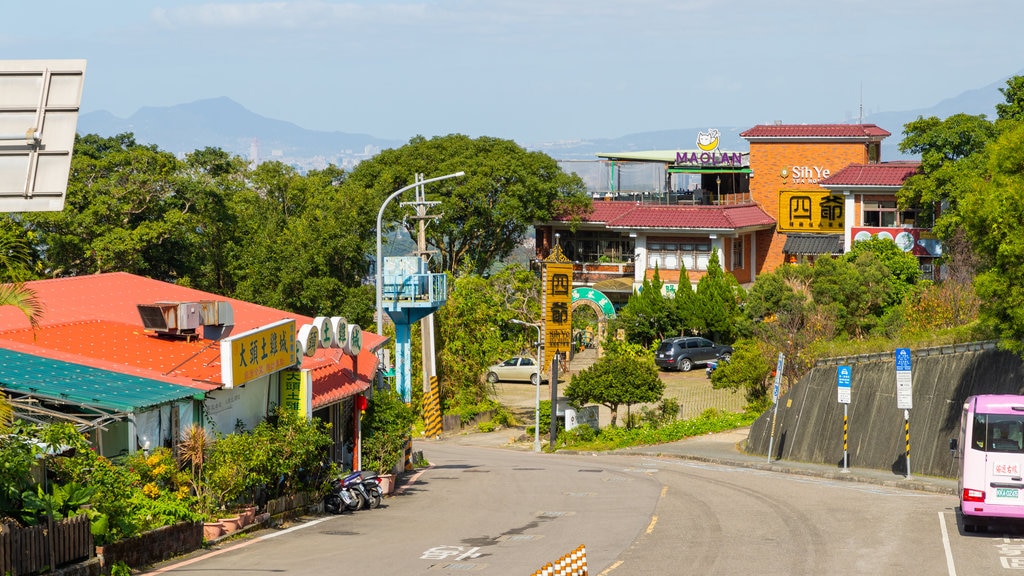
597	297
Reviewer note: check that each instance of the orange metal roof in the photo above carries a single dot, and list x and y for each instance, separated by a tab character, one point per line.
93	321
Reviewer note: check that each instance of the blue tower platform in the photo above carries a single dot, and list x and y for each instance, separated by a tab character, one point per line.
409	293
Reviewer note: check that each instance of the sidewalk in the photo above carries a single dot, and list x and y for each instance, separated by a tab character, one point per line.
725	448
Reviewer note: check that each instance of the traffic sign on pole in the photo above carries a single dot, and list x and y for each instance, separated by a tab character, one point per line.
904	397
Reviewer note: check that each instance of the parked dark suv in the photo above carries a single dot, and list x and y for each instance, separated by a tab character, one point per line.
682	353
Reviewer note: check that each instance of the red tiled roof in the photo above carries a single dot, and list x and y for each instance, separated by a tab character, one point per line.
681	217
823	131
887	174
93	321
605	211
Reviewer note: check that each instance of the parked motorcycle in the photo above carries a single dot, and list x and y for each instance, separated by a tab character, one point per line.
374	491
341	497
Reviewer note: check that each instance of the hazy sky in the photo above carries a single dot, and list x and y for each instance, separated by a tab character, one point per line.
528	70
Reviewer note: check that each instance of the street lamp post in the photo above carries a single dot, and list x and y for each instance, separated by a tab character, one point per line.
380	267
536	415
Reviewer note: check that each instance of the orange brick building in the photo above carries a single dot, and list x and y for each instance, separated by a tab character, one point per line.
790	162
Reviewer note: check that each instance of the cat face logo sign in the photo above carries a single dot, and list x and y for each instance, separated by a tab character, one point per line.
708	141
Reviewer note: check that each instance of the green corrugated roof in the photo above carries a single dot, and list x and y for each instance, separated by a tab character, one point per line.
83	385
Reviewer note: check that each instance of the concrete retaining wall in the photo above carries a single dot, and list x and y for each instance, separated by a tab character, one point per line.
809	424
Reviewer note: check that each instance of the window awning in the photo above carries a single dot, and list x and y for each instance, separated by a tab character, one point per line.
813	244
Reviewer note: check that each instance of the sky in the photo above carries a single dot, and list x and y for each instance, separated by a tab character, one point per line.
529	70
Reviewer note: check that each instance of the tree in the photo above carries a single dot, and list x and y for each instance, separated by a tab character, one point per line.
717	305
487	213
626	374
648	315
749	370
994	219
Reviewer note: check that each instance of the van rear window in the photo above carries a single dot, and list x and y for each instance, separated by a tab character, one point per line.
998	433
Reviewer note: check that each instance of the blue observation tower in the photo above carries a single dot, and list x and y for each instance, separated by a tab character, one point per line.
409	293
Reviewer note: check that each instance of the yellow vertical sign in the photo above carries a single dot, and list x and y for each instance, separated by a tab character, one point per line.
557	306
295	392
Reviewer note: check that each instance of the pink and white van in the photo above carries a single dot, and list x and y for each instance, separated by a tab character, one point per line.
991	453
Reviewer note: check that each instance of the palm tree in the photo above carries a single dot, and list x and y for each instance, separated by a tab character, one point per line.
26	300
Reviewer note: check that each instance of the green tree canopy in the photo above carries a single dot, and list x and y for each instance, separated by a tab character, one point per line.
487	213
624	375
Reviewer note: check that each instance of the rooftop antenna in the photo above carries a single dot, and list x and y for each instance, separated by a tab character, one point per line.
861	113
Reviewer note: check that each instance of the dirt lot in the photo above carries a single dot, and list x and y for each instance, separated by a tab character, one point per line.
692	389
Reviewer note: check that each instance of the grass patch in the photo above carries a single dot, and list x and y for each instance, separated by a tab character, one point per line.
612	438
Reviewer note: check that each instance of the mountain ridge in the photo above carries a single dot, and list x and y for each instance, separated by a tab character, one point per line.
223	123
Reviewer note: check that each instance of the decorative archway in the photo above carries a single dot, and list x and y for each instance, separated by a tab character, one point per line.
596	300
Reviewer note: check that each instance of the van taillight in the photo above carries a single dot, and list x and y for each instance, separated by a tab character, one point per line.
971	495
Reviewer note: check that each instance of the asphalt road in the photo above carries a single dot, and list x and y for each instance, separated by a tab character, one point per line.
492	510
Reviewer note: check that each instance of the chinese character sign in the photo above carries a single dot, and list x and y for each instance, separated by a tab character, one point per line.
257	353
295	392
810	211
557	310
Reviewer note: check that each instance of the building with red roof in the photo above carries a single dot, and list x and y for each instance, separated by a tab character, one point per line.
818	188
97	360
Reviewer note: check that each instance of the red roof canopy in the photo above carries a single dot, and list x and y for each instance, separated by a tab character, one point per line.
815	131
885	174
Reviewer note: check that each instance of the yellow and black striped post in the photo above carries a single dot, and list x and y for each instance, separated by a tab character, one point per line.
846	435
906	429
432	411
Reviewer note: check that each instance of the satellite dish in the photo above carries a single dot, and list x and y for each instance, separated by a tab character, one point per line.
39	102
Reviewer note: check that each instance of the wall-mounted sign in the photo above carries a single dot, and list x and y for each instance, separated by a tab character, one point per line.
917	241
804	174
296	392
354	343
308	339
810	211
250	355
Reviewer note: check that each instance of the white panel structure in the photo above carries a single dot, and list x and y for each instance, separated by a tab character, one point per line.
39	101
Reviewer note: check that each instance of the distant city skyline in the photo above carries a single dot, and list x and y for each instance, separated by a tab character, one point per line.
531	71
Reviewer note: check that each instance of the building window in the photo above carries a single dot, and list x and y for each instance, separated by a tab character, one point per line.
689	255
737	253
880	213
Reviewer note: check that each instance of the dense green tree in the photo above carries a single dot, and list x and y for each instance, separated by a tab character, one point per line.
648	315
474	329
748	369
994	220
717	302
484	215
625	375
121	213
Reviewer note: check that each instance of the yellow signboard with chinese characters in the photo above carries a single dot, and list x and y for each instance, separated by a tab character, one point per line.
250	355
296	396
557	306
810	211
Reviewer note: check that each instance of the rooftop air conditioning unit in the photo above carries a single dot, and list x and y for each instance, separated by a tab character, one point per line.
216	313
171	318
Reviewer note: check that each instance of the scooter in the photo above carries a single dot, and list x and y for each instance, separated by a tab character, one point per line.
341	497
366	487
713	364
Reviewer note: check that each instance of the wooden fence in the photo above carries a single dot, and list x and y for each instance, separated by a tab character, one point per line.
33	549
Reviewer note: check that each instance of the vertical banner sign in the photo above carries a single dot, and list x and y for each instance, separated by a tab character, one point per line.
295	392
843	378
557	305
904	396
775	399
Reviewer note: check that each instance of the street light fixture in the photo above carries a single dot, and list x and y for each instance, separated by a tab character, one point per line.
380	267
536	415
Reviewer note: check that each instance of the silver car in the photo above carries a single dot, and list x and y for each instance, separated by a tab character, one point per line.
518	369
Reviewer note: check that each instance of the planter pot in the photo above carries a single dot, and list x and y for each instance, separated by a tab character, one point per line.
212	530
387	483
247	515
231	524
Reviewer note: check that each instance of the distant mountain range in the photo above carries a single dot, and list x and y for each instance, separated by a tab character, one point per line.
223	123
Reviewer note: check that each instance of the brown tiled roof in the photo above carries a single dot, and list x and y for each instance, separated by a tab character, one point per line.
887	174
93	321
815	131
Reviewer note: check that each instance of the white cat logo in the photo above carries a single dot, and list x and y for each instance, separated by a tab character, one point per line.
708	141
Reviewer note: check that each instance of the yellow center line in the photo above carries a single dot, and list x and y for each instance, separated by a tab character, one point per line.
650	527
